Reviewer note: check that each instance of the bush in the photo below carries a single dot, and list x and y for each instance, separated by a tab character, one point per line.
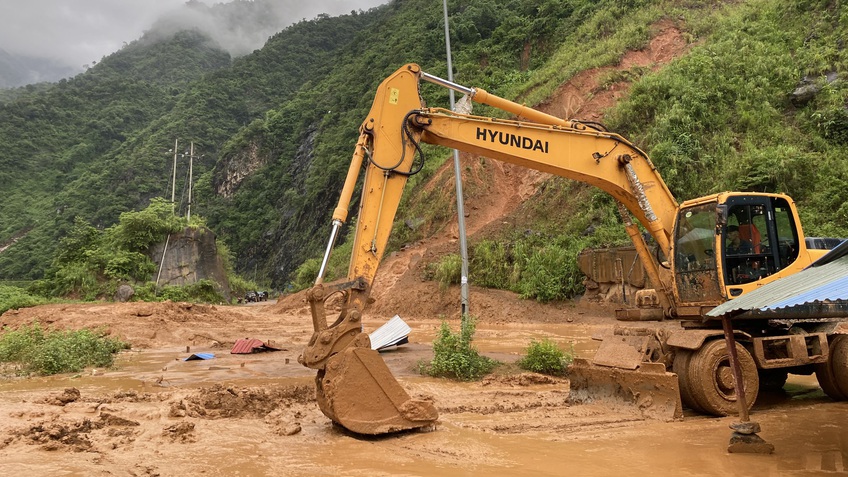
551	274
304	276
77	279
203	291
545	357
239	285
447	271
455	357
12	298
47	352
138	230
491	265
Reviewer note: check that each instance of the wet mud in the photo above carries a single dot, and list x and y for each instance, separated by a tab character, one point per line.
156	414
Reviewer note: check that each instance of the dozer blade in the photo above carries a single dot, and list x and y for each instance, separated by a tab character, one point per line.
648	388
358	392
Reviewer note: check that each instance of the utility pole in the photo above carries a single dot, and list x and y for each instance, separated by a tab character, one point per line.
190	167
460	206
174	179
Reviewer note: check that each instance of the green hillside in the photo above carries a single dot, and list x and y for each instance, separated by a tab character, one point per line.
276	128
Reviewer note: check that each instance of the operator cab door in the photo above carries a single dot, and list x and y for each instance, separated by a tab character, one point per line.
696	276
758	240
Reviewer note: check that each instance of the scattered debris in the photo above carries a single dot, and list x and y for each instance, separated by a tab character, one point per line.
181	432
394	333
69	395
251	345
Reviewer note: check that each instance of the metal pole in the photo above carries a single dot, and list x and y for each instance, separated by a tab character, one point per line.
736	367
190	166
174	179
744	438
162	262
460	207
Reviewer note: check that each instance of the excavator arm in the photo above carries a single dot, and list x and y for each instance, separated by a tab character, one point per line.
355	388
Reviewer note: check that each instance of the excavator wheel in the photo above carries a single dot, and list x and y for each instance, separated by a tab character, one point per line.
710	376
681	367
357	391
833	375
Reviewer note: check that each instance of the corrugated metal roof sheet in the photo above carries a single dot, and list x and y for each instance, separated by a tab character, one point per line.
249	345
393	332
825	281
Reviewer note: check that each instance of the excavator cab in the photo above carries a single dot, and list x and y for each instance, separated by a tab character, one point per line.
725	244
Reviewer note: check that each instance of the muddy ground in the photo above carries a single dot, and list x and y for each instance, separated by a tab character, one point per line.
154	414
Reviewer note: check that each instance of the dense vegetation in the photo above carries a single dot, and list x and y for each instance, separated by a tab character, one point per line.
14	297
274	130
34	349
714	120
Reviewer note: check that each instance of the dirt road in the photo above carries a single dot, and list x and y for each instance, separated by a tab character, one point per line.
155	414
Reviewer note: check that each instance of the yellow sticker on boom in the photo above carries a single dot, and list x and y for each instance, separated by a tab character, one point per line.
394	93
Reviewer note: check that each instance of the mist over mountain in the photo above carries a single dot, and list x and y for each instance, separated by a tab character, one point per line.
47	40
18	70
242	26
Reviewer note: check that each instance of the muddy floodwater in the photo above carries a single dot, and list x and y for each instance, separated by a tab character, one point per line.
155	414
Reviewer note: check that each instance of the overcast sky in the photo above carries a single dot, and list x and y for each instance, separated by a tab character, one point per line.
79	32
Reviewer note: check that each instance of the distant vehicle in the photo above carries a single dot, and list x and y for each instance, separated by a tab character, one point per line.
255	296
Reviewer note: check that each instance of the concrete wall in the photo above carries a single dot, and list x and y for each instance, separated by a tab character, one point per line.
191	255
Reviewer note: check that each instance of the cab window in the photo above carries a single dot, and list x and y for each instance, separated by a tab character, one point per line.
787	234
759	239
695	239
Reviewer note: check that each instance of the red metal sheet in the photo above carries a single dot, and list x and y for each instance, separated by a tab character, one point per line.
248	345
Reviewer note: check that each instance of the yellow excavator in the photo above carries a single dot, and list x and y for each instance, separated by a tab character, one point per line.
708	250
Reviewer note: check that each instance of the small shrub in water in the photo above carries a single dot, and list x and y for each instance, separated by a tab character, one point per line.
455	357
546	357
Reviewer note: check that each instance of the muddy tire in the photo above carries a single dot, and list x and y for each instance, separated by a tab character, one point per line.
682	357
711	378
833	375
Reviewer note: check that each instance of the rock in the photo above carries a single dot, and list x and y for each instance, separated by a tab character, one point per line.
748	444
124	293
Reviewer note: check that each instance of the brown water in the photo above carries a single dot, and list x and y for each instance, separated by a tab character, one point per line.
811	438
809	432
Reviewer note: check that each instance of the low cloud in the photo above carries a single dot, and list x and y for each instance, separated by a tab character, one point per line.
80	32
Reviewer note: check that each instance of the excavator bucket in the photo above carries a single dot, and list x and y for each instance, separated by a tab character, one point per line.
358	392
620	375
